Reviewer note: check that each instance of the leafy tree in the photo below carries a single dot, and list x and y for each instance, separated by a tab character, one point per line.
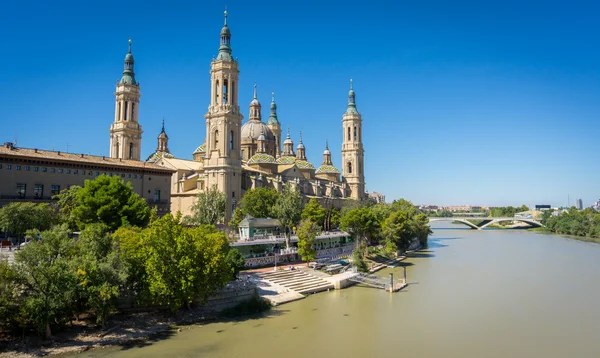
11	306
181	264
307	232
397	231
237	217
50	282
288	210
421	229
358	258
236	261
99	271
66	202
18	218
361	223
259	202
314	212
209	207
107	200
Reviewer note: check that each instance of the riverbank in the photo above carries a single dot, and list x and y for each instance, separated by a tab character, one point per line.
543	230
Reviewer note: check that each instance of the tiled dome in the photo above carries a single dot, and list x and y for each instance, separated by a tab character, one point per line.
327	169
261	158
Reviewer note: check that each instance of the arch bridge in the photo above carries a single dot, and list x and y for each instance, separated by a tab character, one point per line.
486	221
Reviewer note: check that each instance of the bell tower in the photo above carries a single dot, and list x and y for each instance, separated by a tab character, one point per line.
126	132
352	149
222	162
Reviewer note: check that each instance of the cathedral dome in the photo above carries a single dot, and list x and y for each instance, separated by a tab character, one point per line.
261	158
286	160
327	169
304	164
253	129
200	149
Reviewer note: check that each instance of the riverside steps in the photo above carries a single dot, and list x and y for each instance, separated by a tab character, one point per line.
297	280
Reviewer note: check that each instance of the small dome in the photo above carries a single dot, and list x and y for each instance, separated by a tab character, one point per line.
261	137
300	146
127	80
200	149
288	140
327	169
129	57
157	155
286	160
304	164
261	158
253	129
163	135
326	151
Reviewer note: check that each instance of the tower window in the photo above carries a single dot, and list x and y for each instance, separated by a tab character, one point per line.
231	140
130	150
133	112
232	93
216	139
354	132
349	168
119	110
225	88
216	91
348	133
126	109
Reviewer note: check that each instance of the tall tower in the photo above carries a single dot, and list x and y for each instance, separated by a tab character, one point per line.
163	140
222	162
352	149
126	132
275	126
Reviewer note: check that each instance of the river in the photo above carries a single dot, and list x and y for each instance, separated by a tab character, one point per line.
490	293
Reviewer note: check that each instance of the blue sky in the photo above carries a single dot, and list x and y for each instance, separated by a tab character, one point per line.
463	102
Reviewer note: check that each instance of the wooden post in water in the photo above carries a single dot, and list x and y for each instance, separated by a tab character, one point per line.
391	282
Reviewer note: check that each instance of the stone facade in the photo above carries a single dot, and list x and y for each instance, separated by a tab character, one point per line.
36	175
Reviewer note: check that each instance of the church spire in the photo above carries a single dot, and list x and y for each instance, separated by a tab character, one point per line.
351	101
163	140
128	77
225	48
255	108
273	116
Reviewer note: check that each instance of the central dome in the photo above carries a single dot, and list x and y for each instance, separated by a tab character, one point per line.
253	129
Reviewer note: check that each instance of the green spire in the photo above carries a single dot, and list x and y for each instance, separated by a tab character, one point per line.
225	48
128	77
273	117
351	101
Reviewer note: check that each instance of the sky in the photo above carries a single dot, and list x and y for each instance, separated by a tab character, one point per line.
474	103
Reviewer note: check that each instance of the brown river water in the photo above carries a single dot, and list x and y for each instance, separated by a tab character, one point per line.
490	293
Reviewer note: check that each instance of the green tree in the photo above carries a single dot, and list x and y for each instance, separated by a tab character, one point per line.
209	208
236	261
288	210
12	313
314	212
181	264
18	218
361	223
49	279
259	202
397	231
67	202
358	258
99	271
307	232
110	201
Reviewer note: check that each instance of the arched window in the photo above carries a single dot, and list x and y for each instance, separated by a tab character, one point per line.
216	91
216	140
119	111
225	88
349	168
130	150
354	132
348	133
126	109
232	93
231	140
133	112
117	150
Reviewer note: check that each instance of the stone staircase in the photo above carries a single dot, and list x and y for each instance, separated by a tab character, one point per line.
297	280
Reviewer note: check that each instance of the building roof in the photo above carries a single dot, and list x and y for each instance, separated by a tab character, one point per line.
261	158
327	169
157	155
304	164
180	164
253	129
27	153
287	159
200	149
257	222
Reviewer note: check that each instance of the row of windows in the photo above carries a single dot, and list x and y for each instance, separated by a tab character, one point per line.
66	171
38	191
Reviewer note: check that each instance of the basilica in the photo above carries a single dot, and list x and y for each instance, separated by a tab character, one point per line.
236	156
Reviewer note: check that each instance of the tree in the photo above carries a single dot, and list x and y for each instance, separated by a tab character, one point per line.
18	218
314	212
358	258
50	283
236	261
361	223
99	271
11	306
107	200
307	232
209	207
259	202
397	231
66	202
179	264
288	210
